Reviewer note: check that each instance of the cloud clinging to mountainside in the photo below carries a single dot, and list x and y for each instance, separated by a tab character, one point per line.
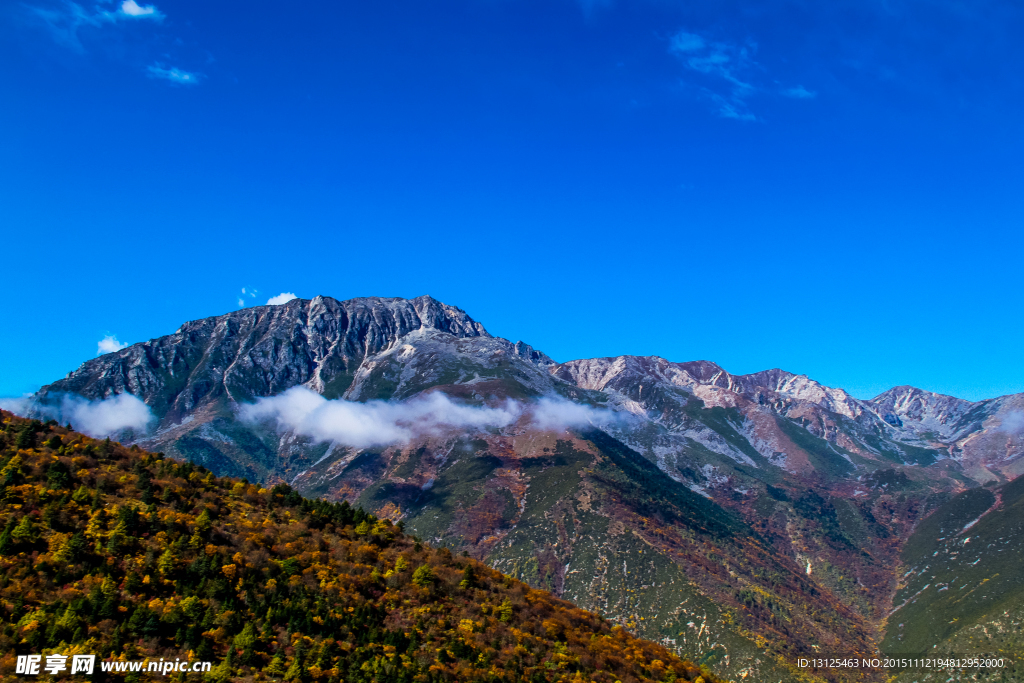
382	423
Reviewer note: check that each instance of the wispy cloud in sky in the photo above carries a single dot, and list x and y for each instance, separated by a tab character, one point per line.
65	20
729	74
725	67
247	292
69	23
721	59
173	74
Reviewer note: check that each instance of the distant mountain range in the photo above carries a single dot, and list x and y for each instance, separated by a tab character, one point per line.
740	518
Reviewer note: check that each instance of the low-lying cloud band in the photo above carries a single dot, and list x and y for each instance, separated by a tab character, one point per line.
383	423
347	423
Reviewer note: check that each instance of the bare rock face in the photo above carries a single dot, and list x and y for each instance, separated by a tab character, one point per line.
765	420
985	437
921	411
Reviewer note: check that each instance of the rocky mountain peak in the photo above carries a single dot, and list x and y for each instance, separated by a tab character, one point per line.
626	372
906	398
261	351
788	385
622	372
907	406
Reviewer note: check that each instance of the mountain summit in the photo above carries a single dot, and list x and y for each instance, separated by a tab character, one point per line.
261	351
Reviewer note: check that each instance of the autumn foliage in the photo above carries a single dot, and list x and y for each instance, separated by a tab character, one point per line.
118	552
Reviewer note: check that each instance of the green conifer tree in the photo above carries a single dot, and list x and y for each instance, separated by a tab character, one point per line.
276	667
27	437
117	537
166	562
6	538
203	522
423	576
468	577
505	611
25	532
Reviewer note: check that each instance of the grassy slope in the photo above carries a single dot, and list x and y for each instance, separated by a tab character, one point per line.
964	592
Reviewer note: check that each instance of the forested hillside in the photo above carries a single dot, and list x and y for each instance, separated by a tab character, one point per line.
124	553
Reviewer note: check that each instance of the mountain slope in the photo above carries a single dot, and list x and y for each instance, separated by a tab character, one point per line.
194	380
740	518
591	520
375	348
265	582
853	435
962	591
986	438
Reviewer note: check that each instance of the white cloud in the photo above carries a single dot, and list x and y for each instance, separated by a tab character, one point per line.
382	423
174	75
18	406
133	9
558	414
247	292
95	418
282	298
109	344
375	423
102	418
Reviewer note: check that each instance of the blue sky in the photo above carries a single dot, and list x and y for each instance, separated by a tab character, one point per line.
831	188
